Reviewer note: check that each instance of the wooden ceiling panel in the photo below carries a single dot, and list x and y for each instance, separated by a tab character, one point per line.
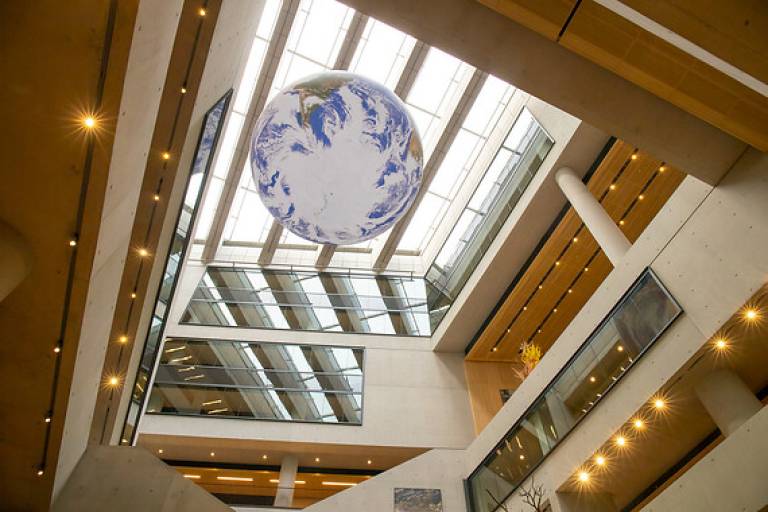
528	312
546	17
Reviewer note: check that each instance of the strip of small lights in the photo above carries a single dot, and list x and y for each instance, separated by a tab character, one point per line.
91	123
575	239
657	405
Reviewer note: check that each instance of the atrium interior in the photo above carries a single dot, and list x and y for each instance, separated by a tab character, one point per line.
570	316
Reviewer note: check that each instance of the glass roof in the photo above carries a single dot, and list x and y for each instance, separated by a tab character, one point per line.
381	52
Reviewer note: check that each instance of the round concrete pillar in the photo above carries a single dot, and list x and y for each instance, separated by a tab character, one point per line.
727	399
15	259
607	234
287	482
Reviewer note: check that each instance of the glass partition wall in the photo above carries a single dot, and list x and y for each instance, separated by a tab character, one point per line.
309	301
266	381
206	146
640	318
498	192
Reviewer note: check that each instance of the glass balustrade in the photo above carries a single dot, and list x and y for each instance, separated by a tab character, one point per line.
639	319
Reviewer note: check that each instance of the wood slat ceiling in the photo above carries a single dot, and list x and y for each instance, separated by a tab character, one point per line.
732	30
632	186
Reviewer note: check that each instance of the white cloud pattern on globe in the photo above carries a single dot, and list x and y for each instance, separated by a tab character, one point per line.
337	158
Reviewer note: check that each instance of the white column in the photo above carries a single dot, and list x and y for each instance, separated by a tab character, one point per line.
727	399
288	468
607	234
15	259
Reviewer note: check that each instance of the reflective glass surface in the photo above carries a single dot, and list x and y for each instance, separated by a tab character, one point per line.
309	301
503	184
272	381
209	136
634	324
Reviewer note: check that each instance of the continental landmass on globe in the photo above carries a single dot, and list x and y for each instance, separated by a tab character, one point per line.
336	158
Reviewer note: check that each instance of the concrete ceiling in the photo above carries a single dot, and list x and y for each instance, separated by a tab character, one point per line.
53	59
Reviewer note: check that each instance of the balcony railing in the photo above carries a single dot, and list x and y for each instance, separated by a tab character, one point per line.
634	324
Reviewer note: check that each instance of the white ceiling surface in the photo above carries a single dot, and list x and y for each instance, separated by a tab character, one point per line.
318	33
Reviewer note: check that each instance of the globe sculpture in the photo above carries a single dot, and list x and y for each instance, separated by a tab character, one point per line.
336	158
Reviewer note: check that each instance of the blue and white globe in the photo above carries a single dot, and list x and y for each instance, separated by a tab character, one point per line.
336	158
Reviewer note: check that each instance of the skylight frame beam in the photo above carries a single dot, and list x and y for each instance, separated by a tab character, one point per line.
383	254
272	58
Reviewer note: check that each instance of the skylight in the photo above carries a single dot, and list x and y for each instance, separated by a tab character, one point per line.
315	38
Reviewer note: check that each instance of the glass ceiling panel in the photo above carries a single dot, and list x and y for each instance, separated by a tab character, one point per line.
313	46
382	53
314	41
458	162
243	95
434	92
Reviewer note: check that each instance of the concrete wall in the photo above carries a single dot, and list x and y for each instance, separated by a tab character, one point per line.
235	29
711	258
436	469
128	479
710	485
707	246
577	145
412	396
153	39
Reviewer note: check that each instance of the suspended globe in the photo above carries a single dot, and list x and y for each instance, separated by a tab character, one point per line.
336	158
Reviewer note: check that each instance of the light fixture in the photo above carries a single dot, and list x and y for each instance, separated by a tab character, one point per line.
721	344
235	478
583	476
541	287
143	252
659	403
494	349
40	472
620	348
600	460
641	197
621	441
634	156
133	295
613	186
621	222
193	477
113	381
156	197
183	90
342	484
557	263
638	423
211	402
123	339
72	242
276	481
525	308
522	457
370	462
89	122
586	269
56	349
751	314
264	456
213	454
575	239
592	379
160	451
202	11
166	155
317	459
48	418
570	290
662	168
554	310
